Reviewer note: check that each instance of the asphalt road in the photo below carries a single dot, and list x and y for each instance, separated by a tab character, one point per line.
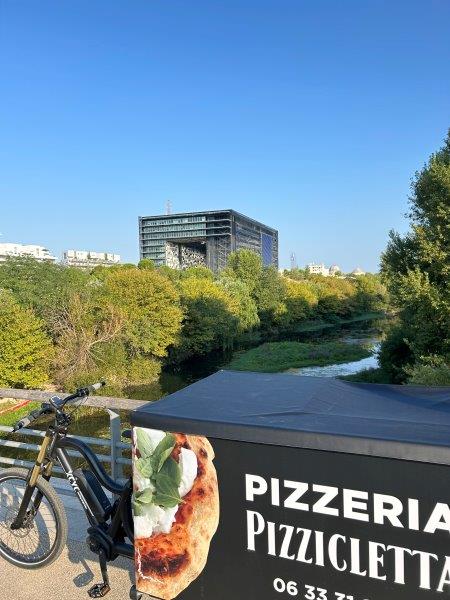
70	577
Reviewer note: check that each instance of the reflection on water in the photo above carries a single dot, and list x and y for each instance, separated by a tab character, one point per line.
173	380
337	370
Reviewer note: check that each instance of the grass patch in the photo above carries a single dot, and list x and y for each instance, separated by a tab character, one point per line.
368	376
274	357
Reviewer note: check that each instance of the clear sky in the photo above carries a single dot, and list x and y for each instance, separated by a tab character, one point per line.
310	116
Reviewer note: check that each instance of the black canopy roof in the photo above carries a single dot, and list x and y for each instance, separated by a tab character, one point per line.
407	422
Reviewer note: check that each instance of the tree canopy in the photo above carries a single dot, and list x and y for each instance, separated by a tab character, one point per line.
26	350
124	323
416	269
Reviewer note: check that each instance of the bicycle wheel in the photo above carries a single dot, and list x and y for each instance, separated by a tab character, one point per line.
41	539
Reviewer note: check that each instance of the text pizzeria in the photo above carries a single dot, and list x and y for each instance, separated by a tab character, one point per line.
381	561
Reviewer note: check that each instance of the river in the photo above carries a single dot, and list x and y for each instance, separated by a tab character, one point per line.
340	369
173	380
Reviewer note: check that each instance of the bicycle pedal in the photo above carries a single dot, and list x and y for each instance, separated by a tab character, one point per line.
99	590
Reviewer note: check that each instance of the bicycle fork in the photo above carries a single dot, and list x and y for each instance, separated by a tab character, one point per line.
24	515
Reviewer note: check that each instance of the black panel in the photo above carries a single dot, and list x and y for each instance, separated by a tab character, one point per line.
232	571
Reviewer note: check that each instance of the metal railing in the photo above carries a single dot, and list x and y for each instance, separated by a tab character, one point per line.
114	443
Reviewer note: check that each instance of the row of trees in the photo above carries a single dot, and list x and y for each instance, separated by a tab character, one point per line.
66	326
416	270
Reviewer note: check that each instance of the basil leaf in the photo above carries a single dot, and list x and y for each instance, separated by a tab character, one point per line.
166	500
143	443
139	509
166	484
172	470
144	497
162	451
144	466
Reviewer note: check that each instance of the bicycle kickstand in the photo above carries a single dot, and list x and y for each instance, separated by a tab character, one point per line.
101	589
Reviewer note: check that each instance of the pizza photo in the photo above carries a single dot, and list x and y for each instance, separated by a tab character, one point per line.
175	509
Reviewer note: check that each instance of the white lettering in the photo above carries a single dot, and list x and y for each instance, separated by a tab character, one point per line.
301	555
255	526
284	552
355	558
440	519
254	486
328	495
375	560
332	552
300	490
399	557
387	507
425	558
352	504
445	577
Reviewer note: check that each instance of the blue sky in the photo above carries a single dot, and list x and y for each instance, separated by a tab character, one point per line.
311	116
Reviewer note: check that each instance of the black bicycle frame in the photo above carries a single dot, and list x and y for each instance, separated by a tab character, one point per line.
55	446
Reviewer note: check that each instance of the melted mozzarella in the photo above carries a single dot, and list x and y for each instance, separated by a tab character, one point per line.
141	483
166	520
158	519
188	465
145	525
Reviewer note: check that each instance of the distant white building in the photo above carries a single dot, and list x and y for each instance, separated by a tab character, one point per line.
357	272
334	270
87	259
40	253
321	269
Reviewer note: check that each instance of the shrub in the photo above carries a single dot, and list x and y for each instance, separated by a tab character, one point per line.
432	371
25	348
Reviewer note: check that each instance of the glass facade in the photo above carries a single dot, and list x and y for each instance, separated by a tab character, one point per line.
220	231
267	249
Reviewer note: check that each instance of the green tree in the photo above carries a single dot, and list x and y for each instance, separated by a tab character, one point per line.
119	330
146	263
25	349
301	300
371	294
211	318
297	274
246	266
270	295
198	272
89	344
431	371
416	269
150	305
43	286
246	309
336	297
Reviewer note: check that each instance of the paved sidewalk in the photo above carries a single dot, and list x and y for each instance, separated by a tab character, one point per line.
70	577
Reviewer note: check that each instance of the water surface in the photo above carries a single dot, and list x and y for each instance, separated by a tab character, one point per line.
337	370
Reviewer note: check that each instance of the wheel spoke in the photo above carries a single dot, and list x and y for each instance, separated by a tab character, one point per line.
34	541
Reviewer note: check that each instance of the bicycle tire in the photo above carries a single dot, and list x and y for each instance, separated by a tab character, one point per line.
55	505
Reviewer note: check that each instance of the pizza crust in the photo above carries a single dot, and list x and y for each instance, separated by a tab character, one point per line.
167	563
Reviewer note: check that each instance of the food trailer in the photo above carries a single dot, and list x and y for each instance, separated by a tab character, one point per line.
264	486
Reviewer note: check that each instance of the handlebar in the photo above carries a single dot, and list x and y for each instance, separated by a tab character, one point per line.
83	392
34	414
96	386
56	404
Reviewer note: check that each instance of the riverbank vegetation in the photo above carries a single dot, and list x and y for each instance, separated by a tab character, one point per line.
63	326
126	323
415	268
274	357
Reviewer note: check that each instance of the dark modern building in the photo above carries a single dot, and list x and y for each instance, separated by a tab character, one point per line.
204	238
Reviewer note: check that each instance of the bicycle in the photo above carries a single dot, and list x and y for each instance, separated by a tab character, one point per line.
33	521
